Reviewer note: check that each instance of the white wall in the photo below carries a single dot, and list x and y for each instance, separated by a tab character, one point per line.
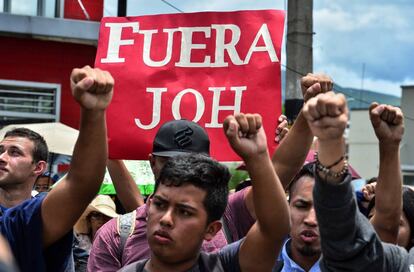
363	145
407	148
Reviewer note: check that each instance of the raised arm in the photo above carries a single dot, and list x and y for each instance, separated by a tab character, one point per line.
125	186
388	125
92	89
348	240
290	155
264	240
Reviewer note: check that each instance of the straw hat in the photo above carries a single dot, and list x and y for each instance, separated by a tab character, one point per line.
102	204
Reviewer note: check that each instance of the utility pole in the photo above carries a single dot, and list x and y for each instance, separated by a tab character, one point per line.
122	8
299	54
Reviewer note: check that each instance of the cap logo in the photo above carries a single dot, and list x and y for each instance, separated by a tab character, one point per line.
182	138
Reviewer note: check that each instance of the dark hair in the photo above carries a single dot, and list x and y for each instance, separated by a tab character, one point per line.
40	151
408	209
371	180
306	170
202	172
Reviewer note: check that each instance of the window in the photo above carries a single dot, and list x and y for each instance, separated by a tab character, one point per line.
23	7
408	179
28	102
45	8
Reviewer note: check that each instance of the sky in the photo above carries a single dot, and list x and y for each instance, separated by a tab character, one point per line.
374	38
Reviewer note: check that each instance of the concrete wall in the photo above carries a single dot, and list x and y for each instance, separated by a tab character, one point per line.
363	145
407	149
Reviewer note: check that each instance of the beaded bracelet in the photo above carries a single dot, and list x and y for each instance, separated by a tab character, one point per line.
327	169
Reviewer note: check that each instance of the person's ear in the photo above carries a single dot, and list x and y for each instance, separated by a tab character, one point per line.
40	167
151	159
212	230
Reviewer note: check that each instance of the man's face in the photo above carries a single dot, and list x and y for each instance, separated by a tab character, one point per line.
304	229
177	223
97	220
42	184
16	161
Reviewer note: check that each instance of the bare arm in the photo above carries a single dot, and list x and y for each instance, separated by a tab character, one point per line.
265	238
388	125
125	186
290	155
92	89
6	256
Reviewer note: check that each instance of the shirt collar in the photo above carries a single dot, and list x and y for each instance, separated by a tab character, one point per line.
289	265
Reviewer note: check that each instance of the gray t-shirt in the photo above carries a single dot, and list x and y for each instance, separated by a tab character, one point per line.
226	260
348	240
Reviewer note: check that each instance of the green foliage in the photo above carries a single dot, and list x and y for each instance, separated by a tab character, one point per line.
237	176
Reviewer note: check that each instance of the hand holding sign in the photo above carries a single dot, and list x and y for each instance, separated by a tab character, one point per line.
92	88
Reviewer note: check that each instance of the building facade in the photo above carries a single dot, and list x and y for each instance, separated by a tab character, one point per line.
40	43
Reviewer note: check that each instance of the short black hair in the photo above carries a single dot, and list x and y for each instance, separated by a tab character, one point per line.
202	172
371	180
408	209
40	150
306	170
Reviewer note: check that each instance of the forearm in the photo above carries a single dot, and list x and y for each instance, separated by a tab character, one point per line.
66	202
88	163
268	197
348	239
290	155
125	186
388	194
265	238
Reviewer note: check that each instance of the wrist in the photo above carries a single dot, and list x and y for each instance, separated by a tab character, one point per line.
331	143
256	158
389	145
330	150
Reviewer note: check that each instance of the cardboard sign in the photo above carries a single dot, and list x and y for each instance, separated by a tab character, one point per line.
198	66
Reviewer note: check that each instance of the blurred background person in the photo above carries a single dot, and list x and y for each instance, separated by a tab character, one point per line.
44	182
99	211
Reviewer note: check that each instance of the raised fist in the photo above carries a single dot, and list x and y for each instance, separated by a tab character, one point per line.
327	115
246	135
388	123
313	84
92	88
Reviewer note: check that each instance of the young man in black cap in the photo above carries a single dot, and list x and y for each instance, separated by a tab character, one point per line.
174	138
108	254
190	198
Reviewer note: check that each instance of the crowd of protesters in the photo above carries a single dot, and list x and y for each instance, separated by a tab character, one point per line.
291	216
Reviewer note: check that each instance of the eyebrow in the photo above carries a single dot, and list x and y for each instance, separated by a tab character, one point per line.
11	146
303	200
186	206
160	198
179	205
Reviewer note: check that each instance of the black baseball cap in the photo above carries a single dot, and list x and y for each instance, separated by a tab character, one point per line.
179	137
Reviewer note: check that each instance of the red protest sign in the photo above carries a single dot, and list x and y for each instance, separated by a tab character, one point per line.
198	66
